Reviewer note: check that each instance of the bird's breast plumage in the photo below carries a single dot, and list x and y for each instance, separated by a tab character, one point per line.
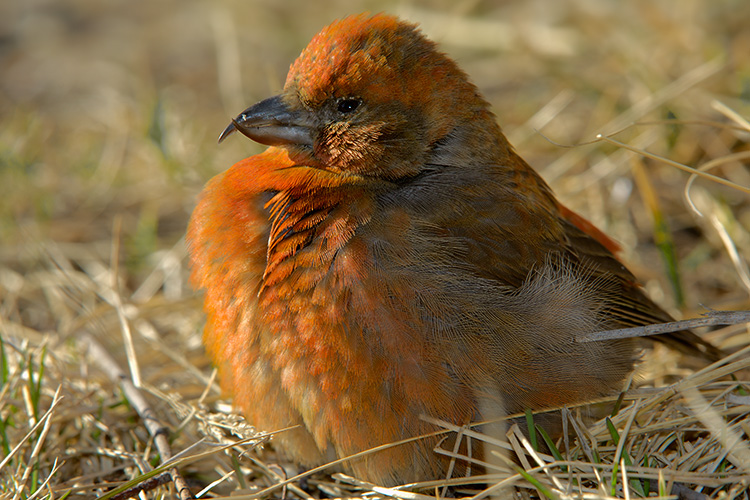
315	310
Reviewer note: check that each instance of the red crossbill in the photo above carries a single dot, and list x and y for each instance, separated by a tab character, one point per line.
391	256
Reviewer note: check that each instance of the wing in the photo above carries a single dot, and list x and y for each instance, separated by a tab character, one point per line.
511	224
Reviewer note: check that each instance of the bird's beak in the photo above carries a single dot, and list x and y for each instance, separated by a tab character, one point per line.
271	122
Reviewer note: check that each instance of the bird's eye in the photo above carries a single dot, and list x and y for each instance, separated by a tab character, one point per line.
347	105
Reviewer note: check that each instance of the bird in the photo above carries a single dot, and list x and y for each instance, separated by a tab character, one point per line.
390	257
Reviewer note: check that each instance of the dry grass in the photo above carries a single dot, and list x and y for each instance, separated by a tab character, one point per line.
110	113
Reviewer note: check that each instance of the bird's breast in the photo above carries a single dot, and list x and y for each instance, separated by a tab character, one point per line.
341	322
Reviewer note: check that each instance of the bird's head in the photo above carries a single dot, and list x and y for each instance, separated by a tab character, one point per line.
370	96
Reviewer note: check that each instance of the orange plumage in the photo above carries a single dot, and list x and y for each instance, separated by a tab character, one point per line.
391	256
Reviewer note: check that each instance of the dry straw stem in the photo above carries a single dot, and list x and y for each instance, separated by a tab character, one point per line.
44	422
636	112
155	428
686	168
710	318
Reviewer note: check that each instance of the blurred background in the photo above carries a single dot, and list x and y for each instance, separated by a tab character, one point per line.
110	111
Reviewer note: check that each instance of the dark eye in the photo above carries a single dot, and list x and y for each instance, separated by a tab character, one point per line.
347	105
